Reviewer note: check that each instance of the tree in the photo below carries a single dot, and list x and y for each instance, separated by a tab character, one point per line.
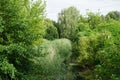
21	23
88	47
113	15
67	21
51	31
49	64
92	47
109	57
94	19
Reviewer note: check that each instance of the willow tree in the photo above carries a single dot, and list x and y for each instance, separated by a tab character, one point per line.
67	20
113	15
50	64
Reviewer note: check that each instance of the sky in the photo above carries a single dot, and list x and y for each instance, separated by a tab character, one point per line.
104	6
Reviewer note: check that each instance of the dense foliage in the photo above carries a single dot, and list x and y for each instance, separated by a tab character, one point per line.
21	23
51	30
33	47
67	21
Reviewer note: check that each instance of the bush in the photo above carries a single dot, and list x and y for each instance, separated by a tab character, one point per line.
49	64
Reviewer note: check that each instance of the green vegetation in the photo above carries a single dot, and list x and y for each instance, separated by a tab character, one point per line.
75	47
67	21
